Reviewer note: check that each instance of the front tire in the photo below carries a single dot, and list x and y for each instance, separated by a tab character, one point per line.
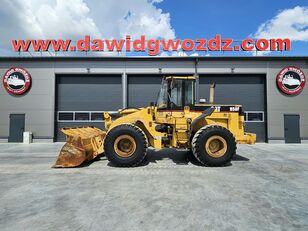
125	145
213	145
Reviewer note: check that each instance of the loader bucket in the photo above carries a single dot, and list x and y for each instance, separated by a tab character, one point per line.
83	144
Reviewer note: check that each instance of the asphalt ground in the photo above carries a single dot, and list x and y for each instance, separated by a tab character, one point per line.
264	188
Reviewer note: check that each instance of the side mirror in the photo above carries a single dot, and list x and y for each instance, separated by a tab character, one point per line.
202	100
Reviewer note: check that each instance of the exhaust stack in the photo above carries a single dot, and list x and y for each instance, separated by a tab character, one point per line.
212	93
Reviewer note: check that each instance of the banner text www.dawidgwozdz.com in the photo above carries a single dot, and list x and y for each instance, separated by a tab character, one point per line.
151	46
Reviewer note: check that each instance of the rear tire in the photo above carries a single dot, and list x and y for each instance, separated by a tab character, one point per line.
125	145
213	145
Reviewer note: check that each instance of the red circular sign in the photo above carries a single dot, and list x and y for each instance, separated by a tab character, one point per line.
291	80
17	81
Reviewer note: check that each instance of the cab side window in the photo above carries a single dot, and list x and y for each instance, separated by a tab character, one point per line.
176	93
189	93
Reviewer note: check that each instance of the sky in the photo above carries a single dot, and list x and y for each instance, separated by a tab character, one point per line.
167	19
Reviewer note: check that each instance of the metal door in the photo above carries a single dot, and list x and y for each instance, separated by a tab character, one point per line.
86	94
291	129
17	127
143	89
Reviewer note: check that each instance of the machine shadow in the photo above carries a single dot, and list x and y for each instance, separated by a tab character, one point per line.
98	158
178	157
237	157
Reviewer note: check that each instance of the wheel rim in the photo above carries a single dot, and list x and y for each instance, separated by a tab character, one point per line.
216	146
125	146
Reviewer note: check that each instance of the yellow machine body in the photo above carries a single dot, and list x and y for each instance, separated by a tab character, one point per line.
84	144
180	121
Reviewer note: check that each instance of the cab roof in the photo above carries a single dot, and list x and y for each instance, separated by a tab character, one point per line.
180	77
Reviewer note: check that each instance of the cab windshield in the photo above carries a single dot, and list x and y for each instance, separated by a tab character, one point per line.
175	94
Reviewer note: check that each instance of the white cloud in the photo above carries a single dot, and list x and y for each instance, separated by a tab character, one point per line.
195	54
42	19
179	53
152	25
131	17
289	23
164	54
156	1
72	19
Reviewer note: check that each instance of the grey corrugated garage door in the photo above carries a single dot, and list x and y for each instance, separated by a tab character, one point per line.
247	90
80	99
143	89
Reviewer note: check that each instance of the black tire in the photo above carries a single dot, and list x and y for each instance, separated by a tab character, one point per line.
140	145
211	131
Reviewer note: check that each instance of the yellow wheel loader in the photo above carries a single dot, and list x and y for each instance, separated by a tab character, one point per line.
209	130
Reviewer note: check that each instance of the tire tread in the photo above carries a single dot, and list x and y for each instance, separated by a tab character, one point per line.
195	141
139	132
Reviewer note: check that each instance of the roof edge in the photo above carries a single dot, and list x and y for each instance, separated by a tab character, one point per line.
106	58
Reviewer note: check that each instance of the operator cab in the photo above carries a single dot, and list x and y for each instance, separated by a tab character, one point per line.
176	92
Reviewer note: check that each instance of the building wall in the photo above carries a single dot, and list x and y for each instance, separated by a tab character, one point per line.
39	103
280	104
